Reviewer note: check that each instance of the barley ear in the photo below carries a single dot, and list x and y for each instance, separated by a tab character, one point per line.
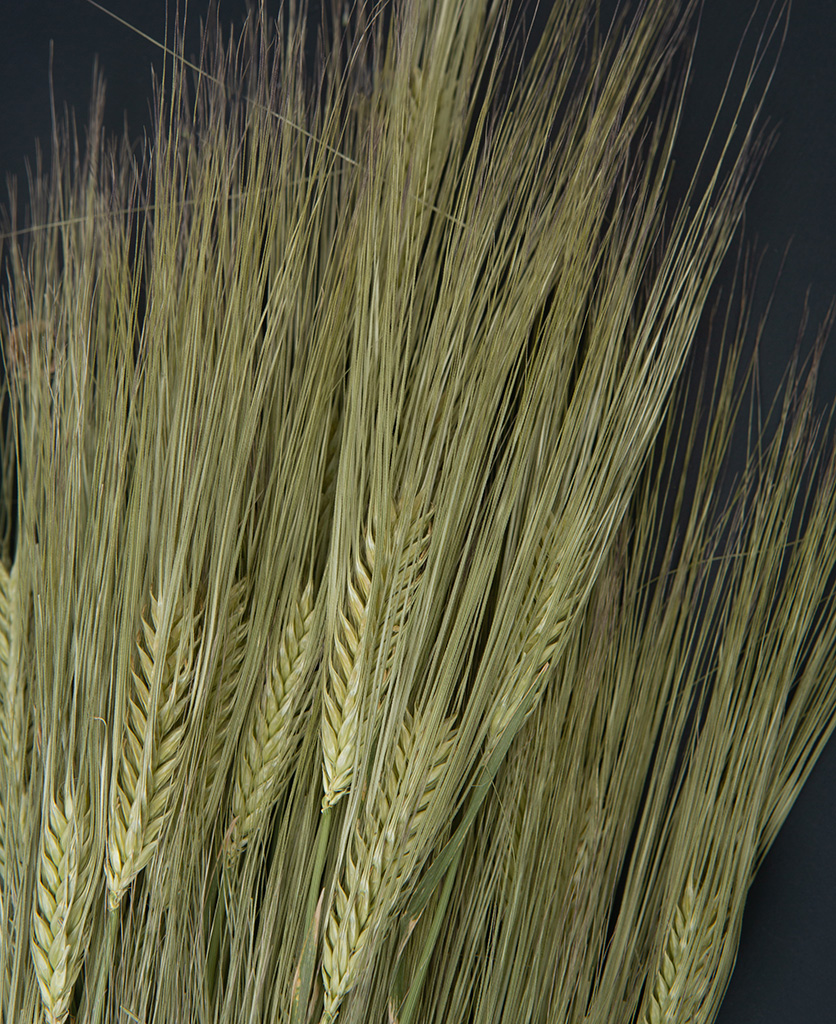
274	728
153	741
377	862
225	683
684	968
12	709
329	480
405	575
6	629
340	724
7	597
60	925
13	716
539	643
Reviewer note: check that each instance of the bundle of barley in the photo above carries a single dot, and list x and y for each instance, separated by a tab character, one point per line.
378	640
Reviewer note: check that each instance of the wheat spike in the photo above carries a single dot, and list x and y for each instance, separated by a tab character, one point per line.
3	841
274	728
685	959
329	479
7	588
12	706
531	668
5	650
409	569
11	694
152	745
340	705
225	683
341	692
63	889
371	881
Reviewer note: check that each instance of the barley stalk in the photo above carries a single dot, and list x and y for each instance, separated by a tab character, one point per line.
274	728
153	741
340	724
62	901
372	877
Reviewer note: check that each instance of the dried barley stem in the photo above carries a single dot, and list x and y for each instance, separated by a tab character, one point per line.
152	747
63	890
274	728
382	842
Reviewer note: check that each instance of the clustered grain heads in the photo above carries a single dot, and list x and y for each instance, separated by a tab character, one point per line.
356	389
381	849
275	724
66	872
152	745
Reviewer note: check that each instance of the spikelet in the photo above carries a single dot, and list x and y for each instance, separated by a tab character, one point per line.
145	774
13	749
7	597
60	917
6	629
225	683
11	695
340	724
372	877
530	672
274	728
329	481
433	152
684	968
340	705
405	574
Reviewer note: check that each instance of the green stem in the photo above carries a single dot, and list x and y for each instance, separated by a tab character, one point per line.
322	836
105	957
301	996
218	922
407	1008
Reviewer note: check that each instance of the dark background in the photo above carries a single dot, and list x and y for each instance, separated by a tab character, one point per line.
786	969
